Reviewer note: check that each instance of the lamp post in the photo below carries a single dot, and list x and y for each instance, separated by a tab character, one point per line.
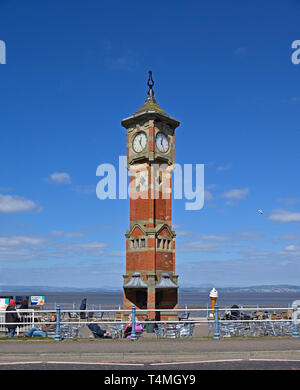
58	333
295	321
217	333
133	333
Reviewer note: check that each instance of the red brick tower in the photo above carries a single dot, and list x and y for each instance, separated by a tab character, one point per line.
150	281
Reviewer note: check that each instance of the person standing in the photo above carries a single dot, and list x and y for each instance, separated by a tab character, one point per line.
83	307
11	318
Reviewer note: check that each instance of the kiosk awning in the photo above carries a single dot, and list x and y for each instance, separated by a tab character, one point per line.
165	282
136	282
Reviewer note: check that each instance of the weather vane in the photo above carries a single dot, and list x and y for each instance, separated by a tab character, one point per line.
150	84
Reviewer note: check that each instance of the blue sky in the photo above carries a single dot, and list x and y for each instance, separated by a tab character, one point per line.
73	72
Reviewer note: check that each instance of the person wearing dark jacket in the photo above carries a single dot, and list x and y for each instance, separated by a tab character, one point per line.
83	307
99	333
11	318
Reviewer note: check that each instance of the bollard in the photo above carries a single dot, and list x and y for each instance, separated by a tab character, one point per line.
217	333
58	333
295	332
133	333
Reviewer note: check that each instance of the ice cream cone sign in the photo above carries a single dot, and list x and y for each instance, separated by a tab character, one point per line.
213	295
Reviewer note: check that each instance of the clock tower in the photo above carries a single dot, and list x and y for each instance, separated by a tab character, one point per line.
150	281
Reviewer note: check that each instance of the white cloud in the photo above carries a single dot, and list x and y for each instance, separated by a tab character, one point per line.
246	236
18	240
224	167
59	178
85	189
17	247
290	237
5	189
15	204
289	201
20	247
236	193
284	216
93	248
292	248
219	243
116	254
241	51
59	233
208	195
207	237
182	233
295	100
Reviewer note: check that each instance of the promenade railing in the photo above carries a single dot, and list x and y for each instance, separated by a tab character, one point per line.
222	322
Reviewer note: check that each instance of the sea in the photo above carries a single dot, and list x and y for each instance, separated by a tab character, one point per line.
113	299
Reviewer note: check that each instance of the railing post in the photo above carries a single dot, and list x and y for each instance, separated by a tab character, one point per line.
295	332
133	333
217	333
58	333
33	319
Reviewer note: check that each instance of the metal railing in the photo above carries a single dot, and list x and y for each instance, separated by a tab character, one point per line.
220	325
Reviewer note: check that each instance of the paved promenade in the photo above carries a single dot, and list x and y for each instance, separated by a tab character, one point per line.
148	349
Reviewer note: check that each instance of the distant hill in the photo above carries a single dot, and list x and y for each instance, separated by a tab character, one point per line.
202	288
250	289
32	289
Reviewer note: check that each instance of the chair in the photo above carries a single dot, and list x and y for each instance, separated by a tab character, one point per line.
51	333
227	329
118	316
98	314
66	331
171	331
269	329
186	330
73	315
159	330
287	327
243	329
118	331
259	315
183	316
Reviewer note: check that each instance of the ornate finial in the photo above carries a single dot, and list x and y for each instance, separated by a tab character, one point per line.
150	84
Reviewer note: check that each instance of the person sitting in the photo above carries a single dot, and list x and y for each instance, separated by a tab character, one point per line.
42	331
128	328
235	313
98	332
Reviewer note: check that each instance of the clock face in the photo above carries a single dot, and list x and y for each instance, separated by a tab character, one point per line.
162	142
139	142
